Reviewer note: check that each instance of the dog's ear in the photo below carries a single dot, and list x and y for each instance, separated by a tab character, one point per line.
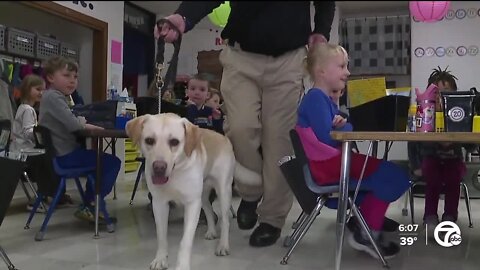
192	136
134	128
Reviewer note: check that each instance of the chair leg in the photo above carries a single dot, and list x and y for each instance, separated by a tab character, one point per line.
139	174
363	225
467	204
39	236
411	197
81	191
304	228
296	229
36	204
7	260
29	197
103	209
27	179
405	204
299	220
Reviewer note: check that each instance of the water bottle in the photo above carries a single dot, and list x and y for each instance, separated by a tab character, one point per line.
426	102
111	91
411	122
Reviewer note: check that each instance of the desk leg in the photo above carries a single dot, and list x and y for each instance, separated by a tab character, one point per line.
98	179
114	142
375	149
343	201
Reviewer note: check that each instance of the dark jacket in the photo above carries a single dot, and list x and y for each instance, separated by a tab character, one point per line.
203	118
264	27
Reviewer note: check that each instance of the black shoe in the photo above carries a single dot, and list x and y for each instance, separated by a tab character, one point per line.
358	242
389	225
264	235
247	215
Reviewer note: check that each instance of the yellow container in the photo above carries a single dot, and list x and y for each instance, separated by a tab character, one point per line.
476	124
131	166
439	122
129	146
131	156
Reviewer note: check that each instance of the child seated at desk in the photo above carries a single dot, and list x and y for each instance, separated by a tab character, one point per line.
442	164
55	115
317	113
197	111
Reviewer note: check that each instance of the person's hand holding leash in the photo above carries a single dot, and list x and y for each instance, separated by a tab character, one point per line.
172	27
316	38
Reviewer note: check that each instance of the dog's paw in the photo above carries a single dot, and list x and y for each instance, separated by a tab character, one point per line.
211	235
159	264
222	250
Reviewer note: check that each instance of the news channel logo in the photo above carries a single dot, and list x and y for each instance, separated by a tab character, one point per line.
447	234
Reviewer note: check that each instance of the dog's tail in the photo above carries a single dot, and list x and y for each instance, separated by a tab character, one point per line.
246	176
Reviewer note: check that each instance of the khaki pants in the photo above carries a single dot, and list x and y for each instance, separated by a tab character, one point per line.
261	95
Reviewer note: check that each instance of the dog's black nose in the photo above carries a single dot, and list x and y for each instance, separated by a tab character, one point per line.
159	168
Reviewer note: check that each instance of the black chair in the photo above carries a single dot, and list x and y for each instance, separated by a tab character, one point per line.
141	170
11	171
311	196
5	131
5	139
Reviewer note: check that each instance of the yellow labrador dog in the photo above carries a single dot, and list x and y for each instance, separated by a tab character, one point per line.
183	163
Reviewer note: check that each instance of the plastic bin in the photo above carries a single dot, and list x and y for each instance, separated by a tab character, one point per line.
70	51
46	47
3	37
20	42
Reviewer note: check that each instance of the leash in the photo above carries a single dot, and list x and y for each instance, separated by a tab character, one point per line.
171	74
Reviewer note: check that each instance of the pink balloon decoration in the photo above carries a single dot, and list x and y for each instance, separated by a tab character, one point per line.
429	11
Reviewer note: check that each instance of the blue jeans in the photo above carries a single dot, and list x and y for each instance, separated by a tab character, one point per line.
88	158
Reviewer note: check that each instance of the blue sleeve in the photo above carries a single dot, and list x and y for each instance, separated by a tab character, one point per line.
317	111
347	127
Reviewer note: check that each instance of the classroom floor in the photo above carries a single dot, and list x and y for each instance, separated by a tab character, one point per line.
69	242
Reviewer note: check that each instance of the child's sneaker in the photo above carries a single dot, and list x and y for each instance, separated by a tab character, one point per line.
85	213
358	242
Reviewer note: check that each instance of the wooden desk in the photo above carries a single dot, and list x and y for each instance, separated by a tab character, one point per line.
97	137
460	137
348	138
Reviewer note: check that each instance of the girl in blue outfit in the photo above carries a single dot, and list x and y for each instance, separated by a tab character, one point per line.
318	115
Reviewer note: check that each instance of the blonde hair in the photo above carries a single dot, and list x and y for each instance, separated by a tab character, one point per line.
320	54
172	94
212	92
28	82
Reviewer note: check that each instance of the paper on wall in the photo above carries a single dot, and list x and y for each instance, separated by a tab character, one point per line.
365	90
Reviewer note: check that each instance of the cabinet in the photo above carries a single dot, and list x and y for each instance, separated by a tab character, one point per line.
209	62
